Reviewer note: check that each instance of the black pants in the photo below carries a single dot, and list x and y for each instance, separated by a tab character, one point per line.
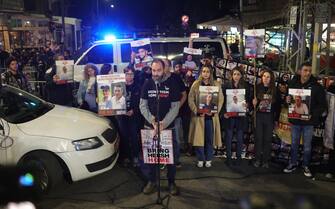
263	136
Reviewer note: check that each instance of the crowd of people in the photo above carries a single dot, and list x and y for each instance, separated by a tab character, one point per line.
193	131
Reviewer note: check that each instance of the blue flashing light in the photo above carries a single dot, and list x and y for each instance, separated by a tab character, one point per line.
26	180
109	37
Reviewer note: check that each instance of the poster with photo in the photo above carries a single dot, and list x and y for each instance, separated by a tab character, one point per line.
244	68
220	66
254	43
265	103
231	65
236	103
252	70
285	77
208	99
150	147
191	60
112	94
64	71
142	53
277	75
299	107
250	79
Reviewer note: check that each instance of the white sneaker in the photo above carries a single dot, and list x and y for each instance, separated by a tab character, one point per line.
208	164
307	171
200	164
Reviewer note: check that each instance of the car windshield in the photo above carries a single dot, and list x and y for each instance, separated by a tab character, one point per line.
17	106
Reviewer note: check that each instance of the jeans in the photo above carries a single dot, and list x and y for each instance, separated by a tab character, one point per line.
263	136
206	152
307	133
234	123
150	170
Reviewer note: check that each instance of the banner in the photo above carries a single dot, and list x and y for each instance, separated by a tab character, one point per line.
254	43
299	107
142	52
236	104
265	103
150	147
64	71
208	99
112	94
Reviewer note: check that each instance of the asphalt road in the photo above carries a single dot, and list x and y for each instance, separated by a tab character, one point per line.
209	188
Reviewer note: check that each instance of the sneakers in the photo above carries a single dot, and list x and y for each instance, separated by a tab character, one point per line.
173	189
307	172
290	168
149	188
208	164
200	164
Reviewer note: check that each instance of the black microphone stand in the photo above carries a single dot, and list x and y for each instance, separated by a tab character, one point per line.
158	173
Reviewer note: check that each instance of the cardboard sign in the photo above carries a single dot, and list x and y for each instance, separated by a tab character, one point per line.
112	94
299	107
208	99
64	71
150	148
143	53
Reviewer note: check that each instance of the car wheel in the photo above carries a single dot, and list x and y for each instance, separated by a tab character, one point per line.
45	169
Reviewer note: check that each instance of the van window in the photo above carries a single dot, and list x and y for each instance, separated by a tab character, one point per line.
175	50
158	50
125	52
99	54
215	48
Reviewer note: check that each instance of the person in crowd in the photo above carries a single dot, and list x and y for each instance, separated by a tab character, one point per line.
105	69
185	112
3	57
234	50
169	100
239	123
207	59
118	100
106	102
142	75
205	131
13	76
330	168
67	54
305	127
129	123
58	93
267	107
87	92
178	121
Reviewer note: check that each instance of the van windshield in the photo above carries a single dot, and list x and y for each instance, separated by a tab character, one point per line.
17	106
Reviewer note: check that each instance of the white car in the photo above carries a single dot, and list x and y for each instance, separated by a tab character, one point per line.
55	141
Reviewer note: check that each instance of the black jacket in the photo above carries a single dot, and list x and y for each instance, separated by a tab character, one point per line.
318	100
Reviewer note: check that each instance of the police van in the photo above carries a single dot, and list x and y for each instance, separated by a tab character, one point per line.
118	52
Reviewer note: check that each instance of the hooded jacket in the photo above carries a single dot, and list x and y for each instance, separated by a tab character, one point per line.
318	100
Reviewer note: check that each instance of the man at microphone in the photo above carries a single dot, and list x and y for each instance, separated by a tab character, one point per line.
168	98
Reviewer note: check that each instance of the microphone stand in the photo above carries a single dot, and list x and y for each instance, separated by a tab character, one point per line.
159	199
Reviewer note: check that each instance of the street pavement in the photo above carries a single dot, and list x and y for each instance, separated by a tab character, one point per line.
209	188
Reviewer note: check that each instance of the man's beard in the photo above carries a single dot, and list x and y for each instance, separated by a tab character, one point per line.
157	78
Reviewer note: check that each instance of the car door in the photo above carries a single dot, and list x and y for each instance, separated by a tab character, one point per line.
5	140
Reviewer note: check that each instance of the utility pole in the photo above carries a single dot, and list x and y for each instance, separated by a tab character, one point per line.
242	32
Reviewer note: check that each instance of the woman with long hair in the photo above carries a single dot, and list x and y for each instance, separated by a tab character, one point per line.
234	120
267	107
204	132
87	92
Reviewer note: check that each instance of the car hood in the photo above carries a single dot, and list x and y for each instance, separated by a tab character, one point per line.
67	123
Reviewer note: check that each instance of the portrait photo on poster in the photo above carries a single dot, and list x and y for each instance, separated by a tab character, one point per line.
64	71
236	104
191	60
142	53
300	101
208	99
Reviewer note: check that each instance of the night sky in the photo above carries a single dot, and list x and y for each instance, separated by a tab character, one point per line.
148	14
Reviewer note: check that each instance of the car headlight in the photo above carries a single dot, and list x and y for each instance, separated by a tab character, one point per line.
89	143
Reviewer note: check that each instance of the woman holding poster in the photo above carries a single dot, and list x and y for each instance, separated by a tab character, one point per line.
204	132
234	112
267	107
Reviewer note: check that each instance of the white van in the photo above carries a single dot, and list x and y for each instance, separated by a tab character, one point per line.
117	53
54	141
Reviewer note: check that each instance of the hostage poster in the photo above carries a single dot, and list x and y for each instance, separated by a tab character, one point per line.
192	60
208	99
64	71
141	53
254	43
150	147
112	94
299	107
236	103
